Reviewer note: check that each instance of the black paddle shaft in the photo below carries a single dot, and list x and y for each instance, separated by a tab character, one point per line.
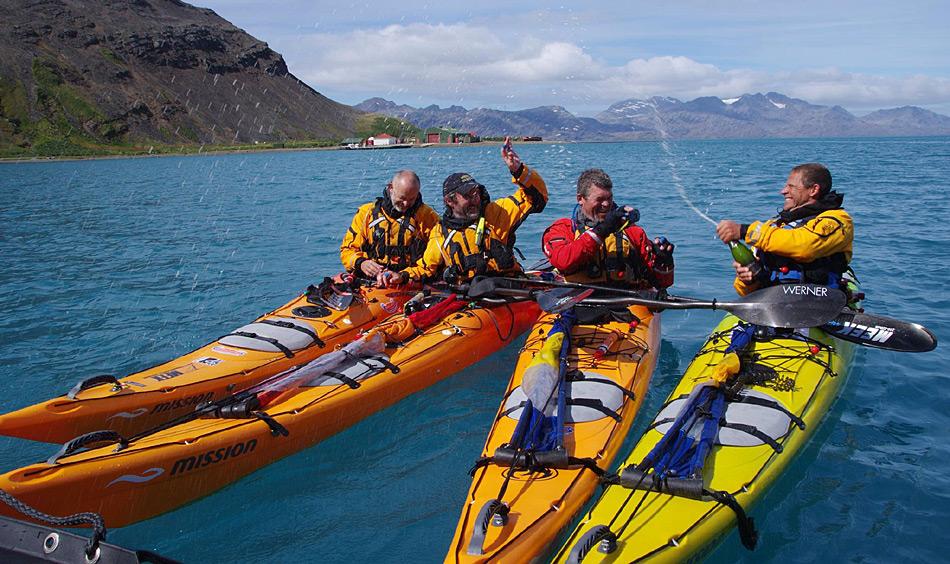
786	305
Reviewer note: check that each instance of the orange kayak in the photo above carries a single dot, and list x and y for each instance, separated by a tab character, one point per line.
520	499
293	334
162	471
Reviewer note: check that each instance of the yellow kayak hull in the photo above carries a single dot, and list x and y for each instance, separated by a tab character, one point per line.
658	527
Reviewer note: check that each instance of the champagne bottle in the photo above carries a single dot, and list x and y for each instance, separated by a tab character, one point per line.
744	256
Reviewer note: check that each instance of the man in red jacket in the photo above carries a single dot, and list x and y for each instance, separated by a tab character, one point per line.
602	244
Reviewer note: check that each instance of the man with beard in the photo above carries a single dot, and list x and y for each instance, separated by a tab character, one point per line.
602	243
476	235
809	240
390	233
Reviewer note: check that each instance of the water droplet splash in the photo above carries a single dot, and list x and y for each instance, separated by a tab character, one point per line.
677	181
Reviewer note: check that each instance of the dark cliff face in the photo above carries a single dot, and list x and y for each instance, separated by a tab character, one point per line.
138	71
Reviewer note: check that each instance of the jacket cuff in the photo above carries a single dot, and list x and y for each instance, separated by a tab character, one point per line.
357	266
519	175
743	230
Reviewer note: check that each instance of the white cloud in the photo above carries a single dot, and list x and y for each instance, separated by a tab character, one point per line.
478	66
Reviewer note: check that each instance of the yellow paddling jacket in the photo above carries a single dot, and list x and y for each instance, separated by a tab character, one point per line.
815	249
458	247
380	233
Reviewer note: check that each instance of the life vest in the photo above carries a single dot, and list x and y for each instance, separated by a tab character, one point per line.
464	249
473	247
392	239
618	261
826	271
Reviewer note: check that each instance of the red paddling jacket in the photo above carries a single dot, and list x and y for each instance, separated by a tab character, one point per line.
626	258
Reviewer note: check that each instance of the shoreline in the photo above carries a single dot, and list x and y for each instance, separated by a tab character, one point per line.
46	159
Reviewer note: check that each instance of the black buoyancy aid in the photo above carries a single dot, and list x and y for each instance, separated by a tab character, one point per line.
826	271
465	253
393	239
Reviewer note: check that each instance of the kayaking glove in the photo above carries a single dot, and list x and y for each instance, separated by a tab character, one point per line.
611	224
664	258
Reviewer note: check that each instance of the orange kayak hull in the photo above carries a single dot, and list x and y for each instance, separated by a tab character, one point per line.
163	471
541	503
154	396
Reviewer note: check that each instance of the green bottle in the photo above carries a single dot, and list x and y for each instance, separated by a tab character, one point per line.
744	256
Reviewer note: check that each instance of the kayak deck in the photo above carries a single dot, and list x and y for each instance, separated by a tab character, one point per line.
801	373
541	501
161	393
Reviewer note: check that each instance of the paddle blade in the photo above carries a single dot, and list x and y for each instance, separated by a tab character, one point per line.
496	286
557	300
789	306
881	332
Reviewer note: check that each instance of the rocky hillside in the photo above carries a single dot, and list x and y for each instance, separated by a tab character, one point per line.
76	75
748	116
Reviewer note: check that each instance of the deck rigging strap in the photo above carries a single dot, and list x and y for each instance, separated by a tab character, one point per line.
288	325
247	334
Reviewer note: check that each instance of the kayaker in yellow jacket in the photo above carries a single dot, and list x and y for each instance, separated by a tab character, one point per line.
390	233
810	239
476	235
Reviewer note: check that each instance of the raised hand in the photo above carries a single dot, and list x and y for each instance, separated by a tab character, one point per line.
511	158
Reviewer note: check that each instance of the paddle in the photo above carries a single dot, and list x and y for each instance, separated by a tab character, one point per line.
554	300
788	305
881	332
557	300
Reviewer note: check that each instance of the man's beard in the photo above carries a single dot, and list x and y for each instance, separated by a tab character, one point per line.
471	212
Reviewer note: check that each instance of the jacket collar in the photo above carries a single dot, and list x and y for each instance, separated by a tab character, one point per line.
830	201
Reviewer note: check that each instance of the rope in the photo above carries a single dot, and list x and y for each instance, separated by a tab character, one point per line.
511	316
87	518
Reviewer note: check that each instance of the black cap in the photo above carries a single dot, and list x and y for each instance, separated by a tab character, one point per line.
459	182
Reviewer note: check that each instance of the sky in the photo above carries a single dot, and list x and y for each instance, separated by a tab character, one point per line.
585	56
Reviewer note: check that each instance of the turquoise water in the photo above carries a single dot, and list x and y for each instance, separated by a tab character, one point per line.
112	266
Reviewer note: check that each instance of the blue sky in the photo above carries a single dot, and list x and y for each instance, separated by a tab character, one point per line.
587	55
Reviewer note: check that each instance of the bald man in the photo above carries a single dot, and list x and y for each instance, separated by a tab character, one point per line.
390	233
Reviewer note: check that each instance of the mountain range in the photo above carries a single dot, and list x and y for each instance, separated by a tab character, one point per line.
747	116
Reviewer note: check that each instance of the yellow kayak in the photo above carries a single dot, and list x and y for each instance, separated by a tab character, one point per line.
788	384
293	334
129	482
520	499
